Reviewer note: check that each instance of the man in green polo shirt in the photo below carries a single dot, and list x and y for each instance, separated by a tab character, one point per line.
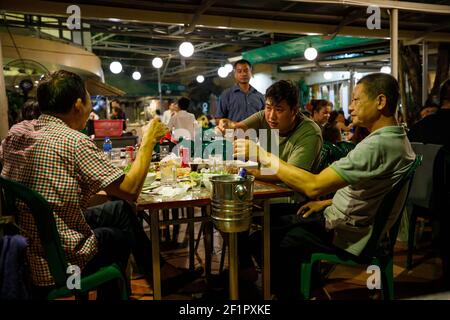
360	180
299	138
298	142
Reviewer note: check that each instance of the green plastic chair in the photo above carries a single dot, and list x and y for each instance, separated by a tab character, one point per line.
377	251
48	234
328	154
345	147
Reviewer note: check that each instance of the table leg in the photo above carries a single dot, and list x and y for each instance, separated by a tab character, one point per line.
232	258
191	238
208	236
266	244
154	229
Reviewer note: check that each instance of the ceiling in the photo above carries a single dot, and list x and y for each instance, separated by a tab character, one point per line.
135	31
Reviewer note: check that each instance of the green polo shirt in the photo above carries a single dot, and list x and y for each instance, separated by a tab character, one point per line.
301	147
372	169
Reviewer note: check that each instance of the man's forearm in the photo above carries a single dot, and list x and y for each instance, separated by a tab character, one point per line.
130	186
312	185
294	177
134	179
264	177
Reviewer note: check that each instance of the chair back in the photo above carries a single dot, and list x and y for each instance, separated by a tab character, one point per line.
383	237
45	224
328	154
345	147
429	179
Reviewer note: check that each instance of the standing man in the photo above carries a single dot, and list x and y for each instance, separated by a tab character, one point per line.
183	123
170	112
241	100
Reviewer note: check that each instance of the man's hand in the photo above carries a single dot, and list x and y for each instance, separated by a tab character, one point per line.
245	149
223	125
155	130
313	206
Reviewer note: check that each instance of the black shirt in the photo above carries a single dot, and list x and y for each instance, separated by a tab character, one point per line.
434	128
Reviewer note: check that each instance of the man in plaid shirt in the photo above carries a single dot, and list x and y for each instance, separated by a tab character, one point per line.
51	156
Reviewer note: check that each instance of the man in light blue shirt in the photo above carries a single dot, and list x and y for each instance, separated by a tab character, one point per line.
360	181
241	100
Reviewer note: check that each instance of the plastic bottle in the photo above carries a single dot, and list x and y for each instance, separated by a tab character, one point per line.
107	147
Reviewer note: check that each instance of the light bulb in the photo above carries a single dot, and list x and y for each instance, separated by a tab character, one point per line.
136	75
228	67
157	62
327	75
200	78
385	69
186	49
310	53
222	72
115	67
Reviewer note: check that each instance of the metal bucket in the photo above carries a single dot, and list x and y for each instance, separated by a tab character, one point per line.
232	200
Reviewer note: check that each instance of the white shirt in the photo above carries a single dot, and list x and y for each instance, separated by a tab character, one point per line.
184	125
167	115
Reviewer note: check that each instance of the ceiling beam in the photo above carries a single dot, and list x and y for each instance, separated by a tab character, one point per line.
102	39
212	21
349	18
248	41
204	6
421	36
379	57
389	4
162	54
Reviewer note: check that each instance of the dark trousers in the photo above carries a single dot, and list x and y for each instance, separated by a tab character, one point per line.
293	238
118	233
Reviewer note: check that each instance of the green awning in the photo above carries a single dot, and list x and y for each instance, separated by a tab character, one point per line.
296	47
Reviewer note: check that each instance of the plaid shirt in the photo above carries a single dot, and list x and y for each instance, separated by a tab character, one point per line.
66	168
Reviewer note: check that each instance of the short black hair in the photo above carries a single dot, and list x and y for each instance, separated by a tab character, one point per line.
318	104
444	93
242	61
283	90
183	103
59	91
331	133
334	114
30	110
382	83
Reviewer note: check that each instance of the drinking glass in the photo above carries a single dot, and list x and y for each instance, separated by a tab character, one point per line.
196	181
168	173
163	151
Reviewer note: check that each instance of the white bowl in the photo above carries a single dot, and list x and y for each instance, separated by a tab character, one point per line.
151	176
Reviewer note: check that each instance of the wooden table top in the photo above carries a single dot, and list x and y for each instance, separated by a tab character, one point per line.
262	190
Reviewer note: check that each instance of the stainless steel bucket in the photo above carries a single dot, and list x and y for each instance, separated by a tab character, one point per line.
232	200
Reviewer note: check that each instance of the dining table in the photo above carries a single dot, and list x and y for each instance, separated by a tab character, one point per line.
150	203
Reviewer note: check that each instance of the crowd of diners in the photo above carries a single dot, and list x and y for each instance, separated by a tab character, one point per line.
335	210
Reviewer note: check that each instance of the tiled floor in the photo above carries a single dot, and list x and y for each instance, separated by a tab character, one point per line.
344	283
